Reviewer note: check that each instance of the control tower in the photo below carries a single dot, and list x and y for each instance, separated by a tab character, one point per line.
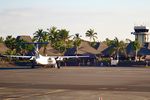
141	34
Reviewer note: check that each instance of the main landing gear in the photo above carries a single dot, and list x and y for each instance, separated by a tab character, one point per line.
57	65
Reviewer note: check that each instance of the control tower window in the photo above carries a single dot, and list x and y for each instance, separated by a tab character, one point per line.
141	30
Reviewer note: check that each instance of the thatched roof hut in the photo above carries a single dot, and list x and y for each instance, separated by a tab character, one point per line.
86	48
101	48
144	52
129	50
25	38
3	48
107	51
147	45
50	51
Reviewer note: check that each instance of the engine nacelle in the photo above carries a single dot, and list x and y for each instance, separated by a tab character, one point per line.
59	58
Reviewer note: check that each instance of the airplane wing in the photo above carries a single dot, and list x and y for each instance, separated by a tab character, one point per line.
15	56
74	56
63	57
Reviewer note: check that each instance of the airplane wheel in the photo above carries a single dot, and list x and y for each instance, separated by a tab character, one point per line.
58	67
32	66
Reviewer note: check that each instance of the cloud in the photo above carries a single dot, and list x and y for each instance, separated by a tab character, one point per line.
20	12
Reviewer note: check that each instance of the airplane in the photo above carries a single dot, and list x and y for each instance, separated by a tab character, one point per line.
44	60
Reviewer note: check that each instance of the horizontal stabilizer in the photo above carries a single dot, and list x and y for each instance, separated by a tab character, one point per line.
36	43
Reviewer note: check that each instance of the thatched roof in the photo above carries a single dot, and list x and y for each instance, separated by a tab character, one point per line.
144	51
129	49
86	48
3	48
70	52
147	45
50	51
25	38
102	46
107	51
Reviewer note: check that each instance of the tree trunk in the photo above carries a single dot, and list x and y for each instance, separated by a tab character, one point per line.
136	55
44	51
76	50
117	54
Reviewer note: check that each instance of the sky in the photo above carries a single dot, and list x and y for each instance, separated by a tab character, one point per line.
109	18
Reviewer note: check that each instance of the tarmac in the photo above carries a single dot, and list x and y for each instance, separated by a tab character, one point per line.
75	83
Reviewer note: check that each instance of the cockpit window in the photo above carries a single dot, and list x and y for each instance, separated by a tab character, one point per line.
49	59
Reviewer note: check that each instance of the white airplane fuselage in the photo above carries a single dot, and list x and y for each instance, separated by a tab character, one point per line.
44	60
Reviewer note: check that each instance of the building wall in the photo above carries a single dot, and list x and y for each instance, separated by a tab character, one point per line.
142	38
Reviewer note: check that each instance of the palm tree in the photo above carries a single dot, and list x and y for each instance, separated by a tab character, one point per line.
22	47
59	39
20	44
77	41
10	52
38	35
10	42
108	42
63	36
53	34
91	34
1	39
135	45
17	46
41	36
118	46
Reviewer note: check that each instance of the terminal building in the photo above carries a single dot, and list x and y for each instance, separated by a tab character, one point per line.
141	34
